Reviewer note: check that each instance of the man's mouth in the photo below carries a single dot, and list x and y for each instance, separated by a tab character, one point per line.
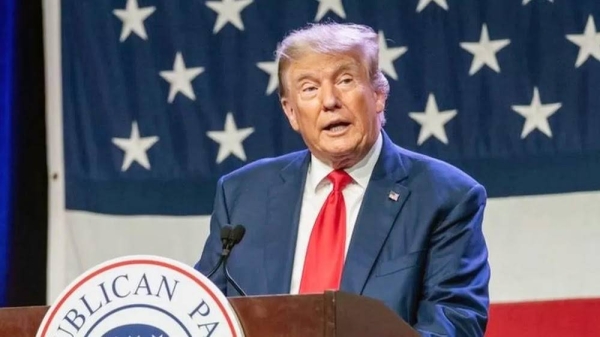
337	127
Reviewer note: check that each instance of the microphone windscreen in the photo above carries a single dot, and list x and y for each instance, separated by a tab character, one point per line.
225	233
238	233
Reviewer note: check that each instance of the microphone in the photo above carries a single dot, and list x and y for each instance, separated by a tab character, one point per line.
229	238
225	234
236	235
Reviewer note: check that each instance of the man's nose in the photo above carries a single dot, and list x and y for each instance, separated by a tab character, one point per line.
331	97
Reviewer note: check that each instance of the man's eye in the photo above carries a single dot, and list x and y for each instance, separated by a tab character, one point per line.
308	89
346	80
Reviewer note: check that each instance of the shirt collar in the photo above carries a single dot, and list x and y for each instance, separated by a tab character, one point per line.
360	173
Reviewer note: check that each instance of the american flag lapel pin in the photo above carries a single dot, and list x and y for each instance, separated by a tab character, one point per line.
393	196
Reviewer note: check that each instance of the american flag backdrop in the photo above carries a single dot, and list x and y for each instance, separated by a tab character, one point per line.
151	101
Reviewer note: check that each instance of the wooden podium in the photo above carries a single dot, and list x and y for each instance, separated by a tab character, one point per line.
331	314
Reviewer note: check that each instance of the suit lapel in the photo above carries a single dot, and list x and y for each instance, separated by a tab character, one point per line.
283	214
381	204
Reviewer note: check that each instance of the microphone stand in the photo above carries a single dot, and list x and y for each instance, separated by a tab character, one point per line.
231	280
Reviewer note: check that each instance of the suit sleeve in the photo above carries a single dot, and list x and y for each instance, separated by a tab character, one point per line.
212	248
455	298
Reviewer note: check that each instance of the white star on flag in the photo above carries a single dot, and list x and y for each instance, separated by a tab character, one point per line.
525	2
536	115
230	140
432	121
271	69
588	42
330	5
133	19
135	148
424	3
387	56
228	12
181	78
484	51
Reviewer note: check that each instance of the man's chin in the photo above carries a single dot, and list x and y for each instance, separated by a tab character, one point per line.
343	157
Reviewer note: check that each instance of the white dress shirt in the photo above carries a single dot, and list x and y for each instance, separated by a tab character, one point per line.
316	190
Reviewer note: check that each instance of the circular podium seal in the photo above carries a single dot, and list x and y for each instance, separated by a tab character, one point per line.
145	296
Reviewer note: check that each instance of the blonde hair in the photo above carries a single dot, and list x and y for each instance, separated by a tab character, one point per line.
333	38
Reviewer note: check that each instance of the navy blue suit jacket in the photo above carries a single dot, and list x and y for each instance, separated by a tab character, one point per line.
423	255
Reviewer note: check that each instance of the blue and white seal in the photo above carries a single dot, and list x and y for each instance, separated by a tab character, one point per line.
144	296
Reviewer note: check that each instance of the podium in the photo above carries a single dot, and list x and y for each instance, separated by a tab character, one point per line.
331	314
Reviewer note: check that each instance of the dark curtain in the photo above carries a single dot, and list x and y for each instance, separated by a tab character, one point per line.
23	208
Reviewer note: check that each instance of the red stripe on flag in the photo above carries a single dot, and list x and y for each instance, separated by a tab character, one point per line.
572	318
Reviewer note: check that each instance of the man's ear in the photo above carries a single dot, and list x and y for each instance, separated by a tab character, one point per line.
290	112
379	101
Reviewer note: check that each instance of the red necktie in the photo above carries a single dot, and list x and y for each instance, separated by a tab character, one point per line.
326	249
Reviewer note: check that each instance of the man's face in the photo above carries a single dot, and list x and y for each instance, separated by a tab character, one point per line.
330	101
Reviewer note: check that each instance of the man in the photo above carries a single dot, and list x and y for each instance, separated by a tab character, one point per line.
395	225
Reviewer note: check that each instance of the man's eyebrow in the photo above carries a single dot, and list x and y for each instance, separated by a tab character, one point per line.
303	76
346	67
310	74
